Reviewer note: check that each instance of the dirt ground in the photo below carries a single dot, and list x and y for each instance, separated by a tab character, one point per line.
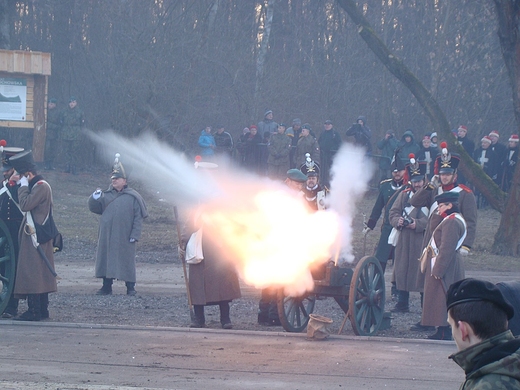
161	299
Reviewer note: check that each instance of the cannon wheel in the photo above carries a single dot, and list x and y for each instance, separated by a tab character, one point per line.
367	297
294	311
7	266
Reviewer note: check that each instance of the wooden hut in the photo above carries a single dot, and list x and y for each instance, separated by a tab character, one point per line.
23	94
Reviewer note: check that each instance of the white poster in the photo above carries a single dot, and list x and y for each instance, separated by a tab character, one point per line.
13	98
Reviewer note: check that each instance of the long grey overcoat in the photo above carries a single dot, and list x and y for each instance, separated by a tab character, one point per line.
32	275
214	279
122	215
467	206
409	245
448	266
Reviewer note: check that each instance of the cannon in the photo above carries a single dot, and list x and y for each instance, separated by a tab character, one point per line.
7	266
359	291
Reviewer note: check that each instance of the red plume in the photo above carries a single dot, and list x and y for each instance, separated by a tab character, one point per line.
411	155
444	144
198	158
3	142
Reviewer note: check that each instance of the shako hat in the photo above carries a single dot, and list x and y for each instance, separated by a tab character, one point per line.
118	170
396	164
8	152
446	162
415	169
310	167
199	164
471	290
23	162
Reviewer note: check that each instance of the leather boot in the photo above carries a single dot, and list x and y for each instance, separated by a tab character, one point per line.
107	287
443	333
402	306
198	320
44	306
224	315
130	288
33	312
11	309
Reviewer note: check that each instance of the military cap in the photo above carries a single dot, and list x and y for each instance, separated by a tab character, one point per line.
23	162
72	99
118	170
416	170
7	153
296	175
472	290
53	100
328	122
447	197
306	126
396	164
310	167
447	162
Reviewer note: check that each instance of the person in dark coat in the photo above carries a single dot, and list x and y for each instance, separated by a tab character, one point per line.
409	223
223	142
446	266
52	133
407	146
250	147
329	142
294	133
361	133
467	144
11	215
499	149
488	161
510	161
387	146
72	123
388	191
213	280
34	280
122	211
489	354
428	153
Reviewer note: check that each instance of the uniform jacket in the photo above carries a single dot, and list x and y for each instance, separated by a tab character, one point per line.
32	275
10	213
122	215
467	144
487	160
72	120
279	148
214	279
491	364
306	145
508	167
206	141
52	130
448	266
388	191
409	244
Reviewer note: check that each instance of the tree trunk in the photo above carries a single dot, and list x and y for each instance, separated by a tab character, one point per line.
264	44
5	25
507	238
509	230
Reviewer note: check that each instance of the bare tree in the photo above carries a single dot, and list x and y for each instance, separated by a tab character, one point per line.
5	24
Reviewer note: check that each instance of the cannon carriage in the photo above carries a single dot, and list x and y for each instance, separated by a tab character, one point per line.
359	291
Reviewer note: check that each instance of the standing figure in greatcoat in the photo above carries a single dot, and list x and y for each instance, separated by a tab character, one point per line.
122	211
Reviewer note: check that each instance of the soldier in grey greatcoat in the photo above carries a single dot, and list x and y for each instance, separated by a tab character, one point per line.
34	280
411	223
122	211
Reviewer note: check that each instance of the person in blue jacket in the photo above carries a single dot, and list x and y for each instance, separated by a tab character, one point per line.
207	142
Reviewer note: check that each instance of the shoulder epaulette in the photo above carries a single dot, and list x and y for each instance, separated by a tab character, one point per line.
385	181
467	189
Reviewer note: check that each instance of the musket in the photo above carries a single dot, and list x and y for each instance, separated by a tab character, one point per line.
183	261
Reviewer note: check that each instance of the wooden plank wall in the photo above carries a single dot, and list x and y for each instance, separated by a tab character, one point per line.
28	62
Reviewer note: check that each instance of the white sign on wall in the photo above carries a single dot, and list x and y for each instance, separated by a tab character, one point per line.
13	99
